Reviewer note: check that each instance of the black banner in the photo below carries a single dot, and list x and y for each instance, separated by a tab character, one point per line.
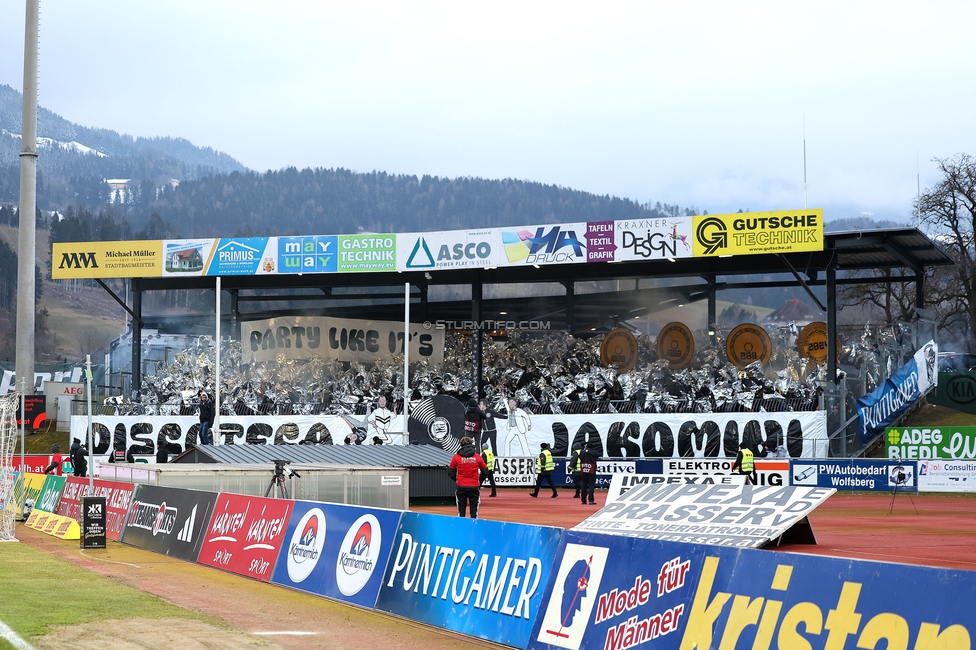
93	520
170	521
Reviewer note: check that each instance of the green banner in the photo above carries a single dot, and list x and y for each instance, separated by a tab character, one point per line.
50	494
367	253
958	443
956	390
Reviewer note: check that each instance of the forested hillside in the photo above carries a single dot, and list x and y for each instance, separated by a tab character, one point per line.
74	160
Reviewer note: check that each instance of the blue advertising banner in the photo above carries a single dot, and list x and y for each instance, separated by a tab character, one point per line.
858	474
473	576
310	254
692	596
242	256
893	397
607	467
337	551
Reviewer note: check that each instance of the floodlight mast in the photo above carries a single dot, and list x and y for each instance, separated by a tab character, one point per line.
28	204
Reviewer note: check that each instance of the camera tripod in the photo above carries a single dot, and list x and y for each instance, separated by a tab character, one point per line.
277	488
900	479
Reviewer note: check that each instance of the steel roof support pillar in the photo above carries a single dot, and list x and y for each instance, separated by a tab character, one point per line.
832	323
570	306
478	339
136	384
712	318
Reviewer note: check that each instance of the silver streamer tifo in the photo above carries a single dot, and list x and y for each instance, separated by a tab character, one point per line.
542	370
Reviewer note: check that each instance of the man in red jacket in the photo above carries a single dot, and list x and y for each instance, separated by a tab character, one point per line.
465	470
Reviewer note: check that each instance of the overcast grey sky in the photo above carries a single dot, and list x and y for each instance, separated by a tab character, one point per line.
696	103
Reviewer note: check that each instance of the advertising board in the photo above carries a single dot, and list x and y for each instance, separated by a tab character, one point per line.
28	489
857	474
245	535
753	233
367	253
623	483
607	468
956	390
692	596
515	471
308	254
951	443
337	551
450	249
895	395
243	256
946	476
113	259
546	244
745	516
170	521
50	494
477	577
93	521
36	463
54	525
652	239
187	257
767	472
118	498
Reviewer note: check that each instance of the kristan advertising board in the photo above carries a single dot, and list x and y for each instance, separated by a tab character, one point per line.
745	516
337	551
119	259
170	521
950	443
118	498
683	596
245	535
753	233
477	577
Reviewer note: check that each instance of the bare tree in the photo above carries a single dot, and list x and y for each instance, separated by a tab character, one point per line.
947	211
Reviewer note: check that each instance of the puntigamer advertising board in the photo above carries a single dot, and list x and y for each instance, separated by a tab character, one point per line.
478	577
535	245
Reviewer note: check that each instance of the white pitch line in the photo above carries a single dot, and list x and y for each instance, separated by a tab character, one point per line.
291	633
13	638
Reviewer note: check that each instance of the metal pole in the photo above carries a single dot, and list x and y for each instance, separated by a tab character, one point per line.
23	418
91	466
28	201
406	362
216	426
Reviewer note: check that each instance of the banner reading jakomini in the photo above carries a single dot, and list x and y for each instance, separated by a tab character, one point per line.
342	339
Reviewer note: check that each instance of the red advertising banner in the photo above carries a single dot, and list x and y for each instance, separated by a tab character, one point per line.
245	535
36	463
118	497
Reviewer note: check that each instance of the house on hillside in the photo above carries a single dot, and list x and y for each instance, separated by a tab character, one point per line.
185	261
794	310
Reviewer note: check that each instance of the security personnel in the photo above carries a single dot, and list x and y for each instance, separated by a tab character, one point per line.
489	474
745	461
575	466
543	468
